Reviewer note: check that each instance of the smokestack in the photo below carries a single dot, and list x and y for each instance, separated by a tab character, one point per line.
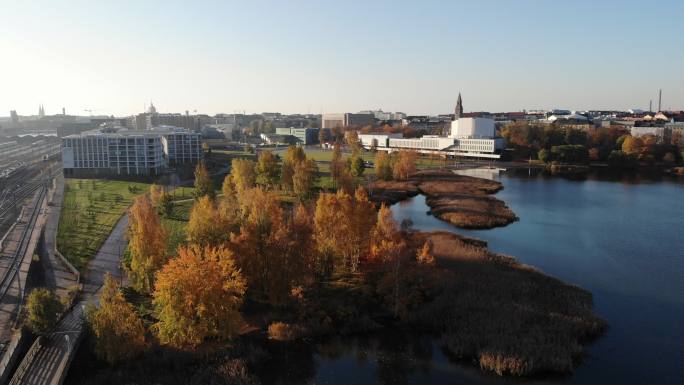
660	99
63	111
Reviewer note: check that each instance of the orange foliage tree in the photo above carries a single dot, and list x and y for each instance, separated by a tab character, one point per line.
147	244
118	331
405	165
206	226
264	247
198	295
342	225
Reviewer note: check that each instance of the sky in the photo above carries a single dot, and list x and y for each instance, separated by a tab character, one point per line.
114	57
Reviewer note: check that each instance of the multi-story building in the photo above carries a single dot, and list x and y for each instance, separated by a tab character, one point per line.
347	119
129	152
304	135
180	146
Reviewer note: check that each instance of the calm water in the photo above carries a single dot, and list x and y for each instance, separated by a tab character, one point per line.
621	239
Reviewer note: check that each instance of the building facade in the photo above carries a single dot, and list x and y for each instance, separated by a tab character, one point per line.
133	153
304	135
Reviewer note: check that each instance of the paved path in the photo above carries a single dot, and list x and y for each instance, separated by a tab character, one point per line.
51	359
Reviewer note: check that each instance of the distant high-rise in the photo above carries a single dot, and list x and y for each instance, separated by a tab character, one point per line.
459	107
41	111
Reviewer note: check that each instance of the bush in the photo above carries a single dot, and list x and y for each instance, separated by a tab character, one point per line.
569	154
44	309
282	331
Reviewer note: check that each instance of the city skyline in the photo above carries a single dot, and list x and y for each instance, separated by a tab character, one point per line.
317	57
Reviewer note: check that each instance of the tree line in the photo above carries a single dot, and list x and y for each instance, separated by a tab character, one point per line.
245	244
567	144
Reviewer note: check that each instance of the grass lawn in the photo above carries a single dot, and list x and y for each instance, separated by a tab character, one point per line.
90	211
176	223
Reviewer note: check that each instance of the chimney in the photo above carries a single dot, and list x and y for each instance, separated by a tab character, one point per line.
660	99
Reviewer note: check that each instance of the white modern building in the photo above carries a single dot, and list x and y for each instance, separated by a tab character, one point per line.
126	152
473	137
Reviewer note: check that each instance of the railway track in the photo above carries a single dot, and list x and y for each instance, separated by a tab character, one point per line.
23	244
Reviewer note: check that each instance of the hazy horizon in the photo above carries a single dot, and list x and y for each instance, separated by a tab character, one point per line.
311	57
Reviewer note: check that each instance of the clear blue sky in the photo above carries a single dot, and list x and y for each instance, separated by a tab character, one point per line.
337	56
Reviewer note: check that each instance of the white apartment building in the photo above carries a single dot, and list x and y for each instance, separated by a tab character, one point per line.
126	152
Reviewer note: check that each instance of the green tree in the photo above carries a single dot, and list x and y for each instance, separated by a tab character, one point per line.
43	309
267	169
203	184
357	166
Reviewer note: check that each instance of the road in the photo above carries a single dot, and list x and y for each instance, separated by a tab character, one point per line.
52	356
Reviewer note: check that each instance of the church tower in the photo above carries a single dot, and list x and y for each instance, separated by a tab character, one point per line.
459	107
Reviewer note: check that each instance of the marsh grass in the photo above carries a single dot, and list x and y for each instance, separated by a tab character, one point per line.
509	317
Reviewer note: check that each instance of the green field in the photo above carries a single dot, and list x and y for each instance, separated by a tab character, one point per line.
90	211
176	223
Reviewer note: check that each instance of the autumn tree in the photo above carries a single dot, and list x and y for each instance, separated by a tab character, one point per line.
228	206
43	310
203	183
304	179
118	331
363	221
293	157
388	248
206	226
198	295
342	228
383	166
352	139
424	254
336	164
156	193
147	244
242	174
632	145
405	165
261	245
267	169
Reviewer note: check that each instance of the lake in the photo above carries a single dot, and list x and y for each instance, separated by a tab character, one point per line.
618	236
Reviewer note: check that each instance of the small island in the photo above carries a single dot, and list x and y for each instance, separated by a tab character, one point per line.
461	200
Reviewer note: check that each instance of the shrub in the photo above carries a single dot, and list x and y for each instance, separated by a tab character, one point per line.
282	331
44	309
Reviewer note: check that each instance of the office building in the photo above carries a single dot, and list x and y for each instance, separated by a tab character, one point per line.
129	152
304	135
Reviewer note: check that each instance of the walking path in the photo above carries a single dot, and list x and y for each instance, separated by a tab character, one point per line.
48	360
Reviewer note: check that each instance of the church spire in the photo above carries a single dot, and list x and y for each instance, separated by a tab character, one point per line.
458	111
